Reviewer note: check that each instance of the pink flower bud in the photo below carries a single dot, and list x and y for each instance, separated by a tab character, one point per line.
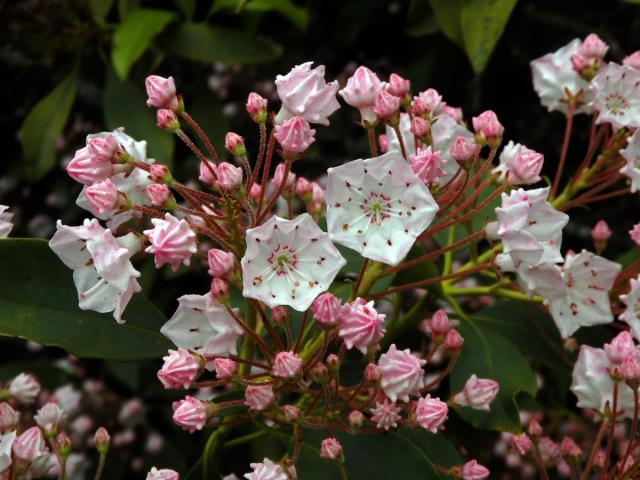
257	107
172	241
88	169
398	86
24	388
234	144
462	150
220	290
163	474
361	325
286	365
221	264
593	47
579	63
167	120
453	341
303	189
279	314
478	393
159	194
568	448
634	233
600	234
258	397
318	196
372	373
455	112
278	178
295	135
161	92
8	418
254	192
386	106
632	60
488	128
383	142
319	372
427	104
535	429
355	419
326	309
49	417
630	367
439	325
159	173
620	347
428	165
190	414
360	93
208	174
431	413
521	443
102	196
549	450
472	470
104	149
229	177
63	442
401	373
180	369
333	362
599	459
420	127
225	368
291	413
331	449
30	445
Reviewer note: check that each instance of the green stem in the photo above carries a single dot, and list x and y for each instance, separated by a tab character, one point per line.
244	439
248	345
448	256
490	290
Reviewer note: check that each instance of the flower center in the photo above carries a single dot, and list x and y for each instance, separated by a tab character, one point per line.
616	104
283	259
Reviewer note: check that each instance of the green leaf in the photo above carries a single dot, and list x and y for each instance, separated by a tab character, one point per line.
38	301
448	14
100	9
420	19
208	43
187	7
489	355
297	15
483	22
125	106
44	124
133	36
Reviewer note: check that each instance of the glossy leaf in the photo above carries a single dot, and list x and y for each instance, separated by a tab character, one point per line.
420	19
448	15
208	43
134	35
44	124
38	301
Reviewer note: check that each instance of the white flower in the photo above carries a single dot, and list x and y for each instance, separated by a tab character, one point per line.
378	207
6	443
102	271
617	95
578	293
202	324
554	76
24	388
267	470
631	153
631	315
593	385
68	398
519	164
49	416
289	262
5	221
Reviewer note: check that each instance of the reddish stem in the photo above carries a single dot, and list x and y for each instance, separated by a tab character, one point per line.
565	148
194	125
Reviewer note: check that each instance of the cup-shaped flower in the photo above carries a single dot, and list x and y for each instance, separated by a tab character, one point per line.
180	369
431	413
286	365
401	374
478	393
361	91
616	96
172	241
385	415
162	474
190	413
289	262
519	165
267	470
378	207
361	325
24	388
258	397
295	135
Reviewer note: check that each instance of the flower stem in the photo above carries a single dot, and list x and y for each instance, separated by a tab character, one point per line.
371	134
571	108
196	128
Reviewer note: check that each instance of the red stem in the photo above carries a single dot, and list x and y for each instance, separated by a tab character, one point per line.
565	148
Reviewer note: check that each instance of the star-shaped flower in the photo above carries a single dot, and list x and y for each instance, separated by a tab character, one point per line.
617	95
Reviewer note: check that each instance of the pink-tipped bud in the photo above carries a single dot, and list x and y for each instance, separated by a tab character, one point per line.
160	196
225	368
63	442
103	197
427	104
420	127
472	470
295	135
387	107
580	63
634	233
257	107
254	192
279	314
384	143
220	290
167	120
463	150
24	388
569	448
439	325
398	86
291	413
535	429
8	418
521	443
303	189
102	440
431	413
319	372
593	47
599	459
333	362
453	341
229	177
331	449
478	393
221	264
104	149
190	414
286	365
30	445
159	173
600	234
234	144
87	168
360	92
258	397
632	60
620	347
355	419
488	129
549	450
180	369
208	173
161	92
428	165
372	373
162	474
629	369
326	310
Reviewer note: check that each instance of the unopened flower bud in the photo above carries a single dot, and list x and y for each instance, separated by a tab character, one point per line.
257	107
286	365
463	151
387	108
291	413
478	393
102	440
593	47
48	418
472	470
453	341
234	144
629	369
319	372
383	142
333	362
180	369
355	419
221	264
167	120
104	197
161	92
225	368
620	347
24	388
331	449
191	413
599	460
632	60
104	149
488	129
208	173
521	443
258	397
438	325
535	429
30	445
279	314
569	449
220	290
159	173
600	235
160	196
63	443
8	418
372	373
326	309
399	87
579	63
303	189
427	104
420	127
295	135
229	178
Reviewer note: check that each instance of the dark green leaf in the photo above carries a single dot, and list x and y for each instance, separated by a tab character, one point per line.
208	43
187	7
448	14
489	355
45	122
133	36
297	15
38	301
206	109
126	7
100	9
125	106
420	19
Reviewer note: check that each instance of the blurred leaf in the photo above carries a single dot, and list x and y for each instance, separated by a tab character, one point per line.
630	256
100	9
126	7
48	373
297	15
208	43
187	7
38	301
489	355
206	109
483	22
45	122
133	36
420	19
125	106
448	14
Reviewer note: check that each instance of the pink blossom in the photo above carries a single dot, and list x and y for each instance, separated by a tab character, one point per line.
326	309
384	144
355	419
225	368
8	417
49	417
303	188
472	470
488	128
634	233
568	448
161	92
361	325
208	174
257	107
318	196
521	443
386	415
386	106
234	144
267	470
632	60
304	93
420	127
519	165
402	374
279	314
580	64
431	413
103	196
87	169
621	346
30	445
159	173
453	112
5	221
331	449
549	450
163	474
593	47
278	179
427	104
439	324
630	367
180	369
398	86
221	263
462	150
428	165
295	135
453	341
104	148
478	393
291	413
159	194
172	241
167	120
631	299
229	177
258	397
286	365
220	290
190	414
361	91
372	373
24	388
